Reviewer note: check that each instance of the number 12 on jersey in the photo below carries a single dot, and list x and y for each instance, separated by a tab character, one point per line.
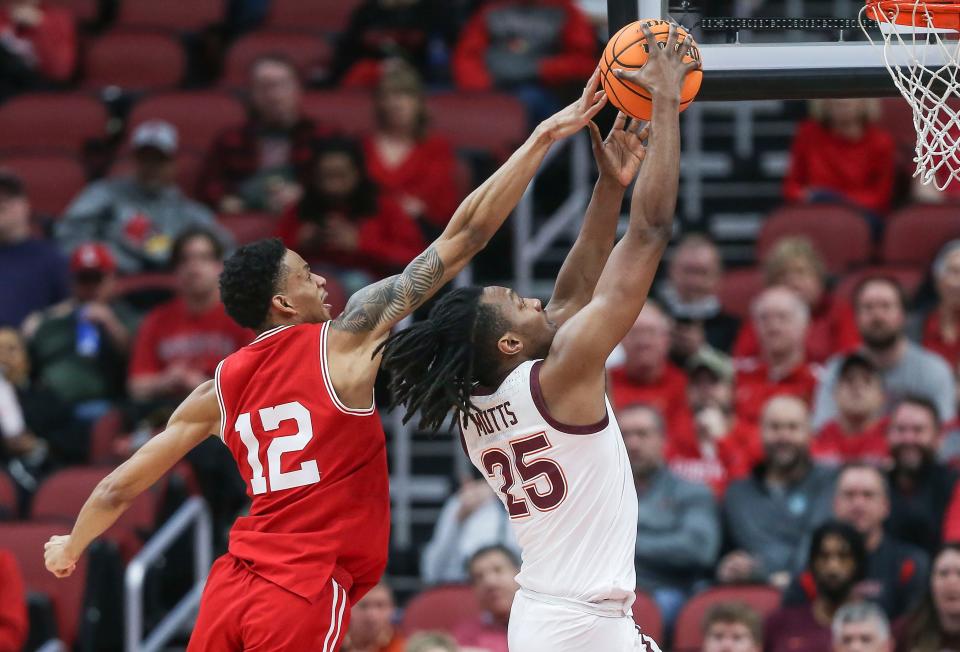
271	418
496	461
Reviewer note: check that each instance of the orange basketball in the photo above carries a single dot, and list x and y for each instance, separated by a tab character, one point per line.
627	49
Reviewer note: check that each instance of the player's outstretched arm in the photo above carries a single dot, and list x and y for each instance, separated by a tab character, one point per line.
618	160
575	364
194	420
374	310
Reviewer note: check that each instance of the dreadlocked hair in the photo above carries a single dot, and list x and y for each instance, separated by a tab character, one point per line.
435	364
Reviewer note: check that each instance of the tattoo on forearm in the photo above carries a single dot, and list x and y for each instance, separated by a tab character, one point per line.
388	300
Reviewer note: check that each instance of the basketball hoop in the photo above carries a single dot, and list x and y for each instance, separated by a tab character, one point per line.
910	31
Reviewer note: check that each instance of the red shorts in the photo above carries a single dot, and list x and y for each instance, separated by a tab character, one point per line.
242	611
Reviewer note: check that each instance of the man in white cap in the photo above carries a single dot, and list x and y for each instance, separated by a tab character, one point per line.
140	215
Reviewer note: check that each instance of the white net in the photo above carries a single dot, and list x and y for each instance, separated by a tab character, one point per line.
923	63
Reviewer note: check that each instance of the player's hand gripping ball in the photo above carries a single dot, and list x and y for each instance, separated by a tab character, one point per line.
627	50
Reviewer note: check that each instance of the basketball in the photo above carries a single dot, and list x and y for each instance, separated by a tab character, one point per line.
627	49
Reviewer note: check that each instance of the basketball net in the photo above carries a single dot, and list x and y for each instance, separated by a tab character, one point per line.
931	89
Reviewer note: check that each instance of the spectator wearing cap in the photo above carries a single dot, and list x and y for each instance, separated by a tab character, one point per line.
647	375
678	528
837	562
493	576
859	433
404	158
922	490
690	296
861	627
796	264
907	368
34	272
263	164
721	447
80	346
732	627
138	216
781	318
941	328
38	45
769	514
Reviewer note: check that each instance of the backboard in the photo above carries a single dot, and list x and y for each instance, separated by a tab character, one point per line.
786	49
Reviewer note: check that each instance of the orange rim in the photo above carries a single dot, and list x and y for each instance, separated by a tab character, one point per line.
928	13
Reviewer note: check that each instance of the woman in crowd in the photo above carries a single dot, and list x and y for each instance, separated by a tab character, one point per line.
934	626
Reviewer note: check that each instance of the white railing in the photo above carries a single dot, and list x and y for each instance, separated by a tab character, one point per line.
193	513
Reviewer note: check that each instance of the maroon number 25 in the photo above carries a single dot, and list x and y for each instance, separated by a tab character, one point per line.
496	460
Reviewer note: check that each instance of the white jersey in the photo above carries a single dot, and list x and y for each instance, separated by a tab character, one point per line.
568	490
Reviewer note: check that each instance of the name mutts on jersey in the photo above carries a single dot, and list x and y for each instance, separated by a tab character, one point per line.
499	417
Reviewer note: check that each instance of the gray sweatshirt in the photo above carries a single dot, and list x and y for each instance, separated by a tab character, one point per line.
139	226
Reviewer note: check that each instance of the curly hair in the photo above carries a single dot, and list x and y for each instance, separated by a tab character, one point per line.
435	363
249	280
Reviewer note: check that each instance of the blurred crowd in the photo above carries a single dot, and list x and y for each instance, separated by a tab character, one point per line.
810	444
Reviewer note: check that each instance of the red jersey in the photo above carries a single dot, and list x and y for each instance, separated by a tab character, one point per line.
316	470
934	340
668	395
833	445
754	388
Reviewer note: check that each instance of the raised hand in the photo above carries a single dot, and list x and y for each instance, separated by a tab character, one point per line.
575	117
664	71
57	557
620	155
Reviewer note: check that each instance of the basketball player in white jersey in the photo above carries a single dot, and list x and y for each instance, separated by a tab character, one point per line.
528	387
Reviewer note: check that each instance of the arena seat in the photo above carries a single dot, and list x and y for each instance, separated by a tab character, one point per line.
439	608
310	53
198	116
25	541
188	165
646	613
51	180
738	287
331	17
248	227
134	61
34	122
487	122
8	498
688	637
145	291
103	433
914	234
839	233
62	494
172	16
350	111
908	277
85	11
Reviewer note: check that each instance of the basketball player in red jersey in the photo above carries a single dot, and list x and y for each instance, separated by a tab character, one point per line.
295	408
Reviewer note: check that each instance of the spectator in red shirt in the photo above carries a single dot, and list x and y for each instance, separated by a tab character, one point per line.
841	155
837	561
529	47
493	571
780	318
721	447
941	329
796	264
345	222
38	45
859	433
180	343
404	158
647	375
935	624
371	623
263	164
732	627
13	605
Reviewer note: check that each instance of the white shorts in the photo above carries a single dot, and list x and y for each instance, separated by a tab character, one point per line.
537	626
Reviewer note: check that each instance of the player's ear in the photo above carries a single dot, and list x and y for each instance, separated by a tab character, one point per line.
510	344
281	304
